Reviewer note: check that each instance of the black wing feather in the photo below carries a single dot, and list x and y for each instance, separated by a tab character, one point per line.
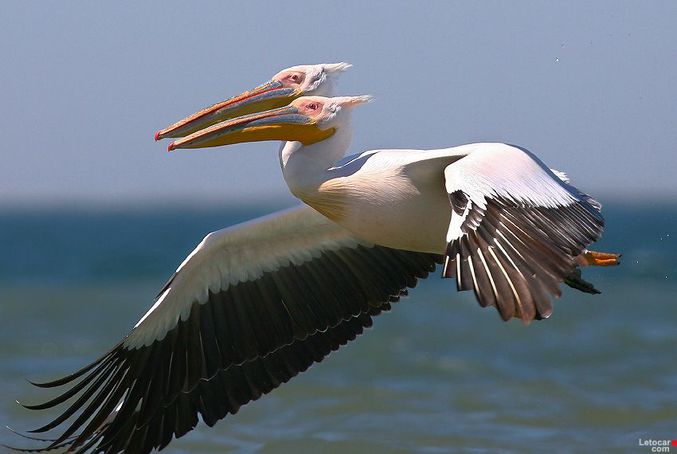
515	255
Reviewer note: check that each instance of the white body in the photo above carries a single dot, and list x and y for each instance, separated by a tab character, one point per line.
394	198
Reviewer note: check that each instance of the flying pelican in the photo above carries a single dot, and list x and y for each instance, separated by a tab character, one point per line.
255	304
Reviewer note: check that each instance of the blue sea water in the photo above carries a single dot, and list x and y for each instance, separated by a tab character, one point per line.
437	374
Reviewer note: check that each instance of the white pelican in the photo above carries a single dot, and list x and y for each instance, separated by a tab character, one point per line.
257	303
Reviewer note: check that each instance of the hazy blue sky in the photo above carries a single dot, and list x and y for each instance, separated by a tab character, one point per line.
590	87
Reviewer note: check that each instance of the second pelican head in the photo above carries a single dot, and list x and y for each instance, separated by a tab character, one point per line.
284	87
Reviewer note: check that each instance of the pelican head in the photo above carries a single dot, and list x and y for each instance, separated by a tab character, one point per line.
308	119
284	87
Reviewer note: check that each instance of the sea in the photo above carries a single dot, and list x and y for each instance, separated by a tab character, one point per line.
437	374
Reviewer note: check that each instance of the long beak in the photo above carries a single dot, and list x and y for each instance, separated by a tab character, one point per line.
283	123
267	96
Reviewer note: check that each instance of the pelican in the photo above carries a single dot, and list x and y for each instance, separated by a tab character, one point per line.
255	304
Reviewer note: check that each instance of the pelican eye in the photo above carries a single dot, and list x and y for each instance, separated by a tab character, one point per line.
295	78
311	108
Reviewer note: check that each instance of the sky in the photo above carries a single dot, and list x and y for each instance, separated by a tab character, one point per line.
589	87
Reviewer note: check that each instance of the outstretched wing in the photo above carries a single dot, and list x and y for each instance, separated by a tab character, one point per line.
515	229
251	307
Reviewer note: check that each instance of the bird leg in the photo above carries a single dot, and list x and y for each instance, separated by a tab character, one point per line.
575	280
592	258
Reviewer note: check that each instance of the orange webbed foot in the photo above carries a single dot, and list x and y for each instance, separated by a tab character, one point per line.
593	258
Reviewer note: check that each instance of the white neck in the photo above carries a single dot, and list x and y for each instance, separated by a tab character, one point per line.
305	168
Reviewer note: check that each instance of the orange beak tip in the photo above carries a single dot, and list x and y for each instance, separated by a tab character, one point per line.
157	136
170	147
